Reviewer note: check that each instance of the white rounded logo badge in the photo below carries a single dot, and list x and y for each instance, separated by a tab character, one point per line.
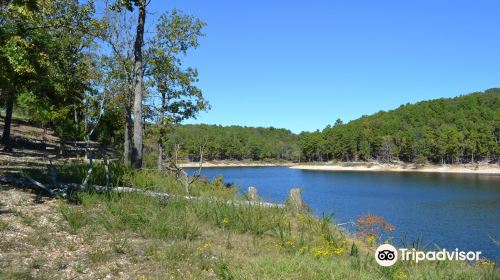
386	255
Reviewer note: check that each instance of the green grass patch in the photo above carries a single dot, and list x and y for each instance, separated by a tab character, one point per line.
75	217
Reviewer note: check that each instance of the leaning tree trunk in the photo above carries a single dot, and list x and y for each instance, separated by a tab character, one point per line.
138	75
8	121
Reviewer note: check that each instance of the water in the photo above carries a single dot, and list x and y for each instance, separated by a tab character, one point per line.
451	210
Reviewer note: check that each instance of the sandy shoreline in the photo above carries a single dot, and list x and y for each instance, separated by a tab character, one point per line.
461	169
233	164
376	167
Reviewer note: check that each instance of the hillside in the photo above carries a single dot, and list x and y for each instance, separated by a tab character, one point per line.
446	130
463	129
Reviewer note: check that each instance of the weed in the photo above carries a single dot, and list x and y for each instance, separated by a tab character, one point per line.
3	225
97	256
372	228
222	270
25	219
119	245
75	218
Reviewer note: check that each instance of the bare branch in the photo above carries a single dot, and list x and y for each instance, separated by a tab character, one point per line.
38	184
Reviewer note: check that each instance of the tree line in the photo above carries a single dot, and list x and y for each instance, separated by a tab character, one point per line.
447	130
234	143
454	130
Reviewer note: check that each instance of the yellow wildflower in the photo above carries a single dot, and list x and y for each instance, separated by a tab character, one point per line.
485	262
302	250
400	275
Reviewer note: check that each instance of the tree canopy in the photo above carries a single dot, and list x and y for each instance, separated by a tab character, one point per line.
447	130
453	130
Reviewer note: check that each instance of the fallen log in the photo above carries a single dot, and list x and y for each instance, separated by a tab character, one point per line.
64	189
162	195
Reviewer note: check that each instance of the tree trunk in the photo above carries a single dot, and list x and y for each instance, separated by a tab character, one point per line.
7	124
138	75
161	132
75	116
160	156
128	135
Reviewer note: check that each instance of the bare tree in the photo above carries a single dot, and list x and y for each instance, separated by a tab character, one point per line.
180	173
386	153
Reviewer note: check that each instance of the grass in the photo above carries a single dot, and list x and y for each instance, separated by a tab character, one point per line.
3	225
74	217
207	239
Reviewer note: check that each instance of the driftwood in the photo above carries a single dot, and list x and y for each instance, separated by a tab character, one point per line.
497	243
64	190
252	194
40	185
180	173
295	199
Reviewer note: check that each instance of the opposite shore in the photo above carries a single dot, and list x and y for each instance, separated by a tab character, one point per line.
349	166
233	163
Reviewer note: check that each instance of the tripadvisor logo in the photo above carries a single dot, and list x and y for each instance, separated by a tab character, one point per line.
387	255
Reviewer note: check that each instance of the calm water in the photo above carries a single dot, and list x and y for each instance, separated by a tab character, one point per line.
451	210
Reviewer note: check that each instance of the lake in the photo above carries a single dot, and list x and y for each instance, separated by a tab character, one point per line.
451	210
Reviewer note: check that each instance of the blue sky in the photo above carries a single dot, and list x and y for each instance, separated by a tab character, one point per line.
302	64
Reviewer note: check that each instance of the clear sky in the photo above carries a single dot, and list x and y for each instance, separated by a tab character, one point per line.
302	64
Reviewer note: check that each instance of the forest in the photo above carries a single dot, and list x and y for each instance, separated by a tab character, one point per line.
454	130
235	142
447	130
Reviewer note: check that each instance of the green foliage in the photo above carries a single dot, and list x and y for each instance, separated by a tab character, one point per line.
234	142
76	172
74	216
143	215
254	219
42	61
460	129
3	225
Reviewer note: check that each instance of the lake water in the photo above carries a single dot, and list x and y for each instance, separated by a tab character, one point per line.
452	210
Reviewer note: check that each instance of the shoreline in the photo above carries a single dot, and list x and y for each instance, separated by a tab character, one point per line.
491	169
224	164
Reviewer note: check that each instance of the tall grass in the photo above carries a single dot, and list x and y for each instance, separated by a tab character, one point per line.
213	235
